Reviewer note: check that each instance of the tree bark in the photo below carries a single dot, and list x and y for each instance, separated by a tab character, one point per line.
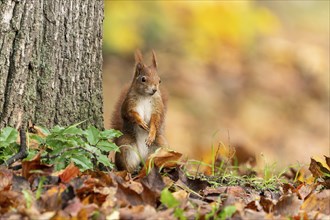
51	62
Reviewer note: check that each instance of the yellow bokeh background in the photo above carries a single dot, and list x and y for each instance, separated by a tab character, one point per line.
245	73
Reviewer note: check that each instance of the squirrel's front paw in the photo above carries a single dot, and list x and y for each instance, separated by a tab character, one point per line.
144	125
150	140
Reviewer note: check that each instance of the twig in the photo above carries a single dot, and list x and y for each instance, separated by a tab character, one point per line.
22	153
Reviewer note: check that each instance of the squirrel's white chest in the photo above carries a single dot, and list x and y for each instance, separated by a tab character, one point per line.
144	108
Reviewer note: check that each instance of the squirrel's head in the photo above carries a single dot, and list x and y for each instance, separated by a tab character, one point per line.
146	80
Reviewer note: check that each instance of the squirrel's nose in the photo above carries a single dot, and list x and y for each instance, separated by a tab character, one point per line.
154	91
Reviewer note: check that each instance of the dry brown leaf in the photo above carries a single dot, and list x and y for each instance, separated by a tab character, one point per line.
288	188
73	207
266	204
304	190
287	205
110	200
103	178
138	212
181	196
52	198
126	194
327	160
10	200
154	181
318	202
6	178
252	214
300	216
34	166
61	215
162	158
317	169
70	172
236	191
253	205
35	130
87	211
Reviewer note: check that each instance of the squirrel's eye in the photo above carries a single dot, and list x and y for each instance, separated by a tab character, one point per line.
160	81
143	79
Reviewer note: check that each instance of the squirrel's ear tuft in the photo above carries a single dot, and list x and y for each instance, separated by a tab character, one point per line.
154	59
138	57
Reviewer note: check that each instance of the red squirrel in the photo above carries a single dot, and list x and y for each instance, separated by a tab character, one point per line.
139	115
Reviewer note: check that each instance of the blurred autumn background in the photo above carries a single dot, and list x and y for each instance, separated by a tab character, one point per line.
244	73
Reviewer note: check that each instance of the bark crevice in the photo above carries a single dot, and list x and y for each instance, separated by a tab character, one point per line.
48	66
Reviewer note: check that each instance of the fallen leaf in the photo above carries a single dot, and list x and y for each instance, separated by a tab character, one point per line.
47	215
113	215
253	205
317	169
318	202
51	199
154	181
126	195
236	191
304	190
252	214
34	166
180	195
138	212
73	207
60	215
19	184
70	172
194	183
10	200
287	205
88	211
266	204
6	178
162	158
110	200
300	216
288	188
102	177
327	160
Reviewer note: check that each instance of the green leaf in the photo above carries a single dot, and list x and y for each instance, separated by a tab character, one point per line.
39	139
168	199
82	161
227	212
8	135
179	213
109	134
44	130
28	198
57	129
40	186
31	154
92	135
73	131
57	148
107	146
91	149
104	160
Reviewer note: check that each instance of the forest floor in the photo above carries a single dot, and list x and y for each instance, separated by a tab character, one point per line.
166	188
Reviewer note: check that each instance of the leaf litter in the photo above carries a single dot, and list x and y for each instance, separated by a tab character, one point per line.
164	189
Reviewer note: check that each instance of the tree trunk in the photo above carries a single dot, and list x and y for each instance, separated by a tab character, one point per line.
51	62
